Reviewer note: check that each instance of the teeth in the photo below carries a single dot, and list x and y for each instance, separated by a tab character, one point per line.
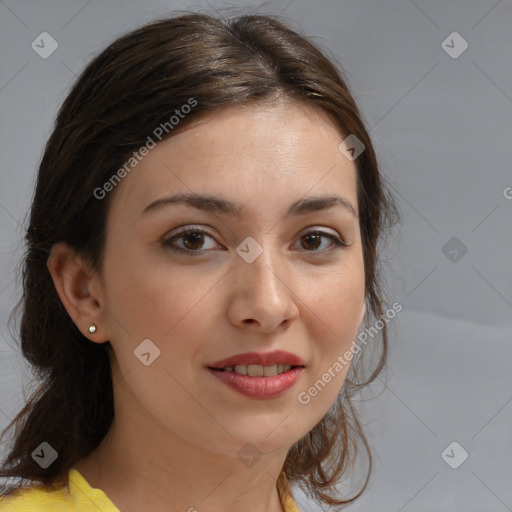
241	369
270	371
256	370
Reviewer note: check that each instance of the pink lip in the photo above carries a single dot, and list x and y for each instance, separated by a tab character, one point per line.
259	387
260	358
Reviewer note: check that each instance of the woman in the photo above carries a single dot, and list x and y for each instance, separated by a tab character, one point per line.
202	250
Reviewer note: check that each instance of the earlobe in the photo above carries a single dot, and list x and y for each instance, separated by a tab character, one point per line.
72	280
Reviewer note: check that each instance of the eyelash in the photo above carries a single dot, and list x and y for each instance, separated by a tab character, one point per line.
168	243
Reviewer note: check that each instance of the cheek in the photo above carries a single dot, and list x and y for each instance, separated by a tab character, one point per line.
335	301
333	324
173	313
153	300
146	302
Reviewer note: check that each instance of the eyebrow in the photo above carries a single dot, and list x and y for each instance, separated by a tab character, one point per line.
222	206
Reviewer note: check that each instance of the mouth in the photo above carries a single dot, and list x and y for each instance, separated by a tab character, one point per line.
259	364
259	375
256	370
259	382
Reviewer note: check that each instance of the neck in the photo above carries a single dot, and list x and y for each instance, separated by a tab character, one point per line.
142	473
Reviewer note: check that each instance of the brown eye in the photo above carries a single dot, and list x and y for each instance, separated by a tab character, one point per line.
190	242
193	240
313	240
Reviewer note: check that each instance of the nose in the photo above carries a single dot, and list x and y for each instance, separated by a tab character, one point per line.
263	297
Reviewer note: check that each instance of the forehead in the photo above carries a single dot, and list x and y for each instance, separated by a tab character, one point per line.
271	152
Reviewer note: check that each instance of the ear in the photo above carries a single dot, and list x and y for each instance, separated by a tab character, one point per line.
79	290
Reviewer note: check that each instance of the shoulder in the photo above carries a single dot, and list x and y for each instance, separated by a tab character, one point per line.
289	504
77	494
40	498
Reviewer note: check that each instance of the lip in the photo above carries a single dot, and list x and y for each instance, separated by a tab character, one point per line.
259	358
259	387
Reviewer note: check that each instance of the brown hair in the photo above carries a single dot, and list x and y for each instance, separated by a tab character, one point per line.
125	92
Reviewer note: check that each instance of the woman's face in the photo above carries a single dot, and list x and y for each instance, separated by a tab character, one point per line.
268	279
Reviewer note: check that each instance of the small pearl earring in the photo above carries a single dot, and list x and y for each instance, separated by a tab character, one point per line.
92	328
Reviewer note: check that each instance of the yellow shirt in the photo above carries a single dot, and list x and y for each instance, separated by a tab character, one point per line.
80	497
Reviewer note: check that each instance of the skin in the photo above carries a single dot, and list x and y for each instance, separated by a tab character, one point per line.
177	429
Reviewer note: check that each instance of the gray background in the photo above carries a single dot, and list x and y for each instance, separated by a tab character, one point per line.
442	129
